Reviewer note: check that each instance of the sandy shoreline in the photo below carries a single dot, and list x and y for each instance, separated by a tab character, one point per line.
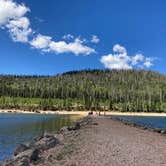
84	113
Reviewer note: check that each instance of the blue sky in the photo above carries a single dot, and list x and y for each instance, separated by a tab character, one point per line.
130	33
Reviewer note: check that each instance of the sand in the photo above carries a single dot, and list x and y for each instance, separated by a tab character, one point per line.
110	143
84	113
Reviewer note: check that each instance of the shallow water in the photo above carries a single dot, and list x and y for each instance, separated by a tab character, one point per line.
147	121
21	128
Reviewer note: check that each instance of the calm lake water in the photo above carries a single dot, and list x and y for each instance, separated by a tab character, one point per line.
21	128
147	121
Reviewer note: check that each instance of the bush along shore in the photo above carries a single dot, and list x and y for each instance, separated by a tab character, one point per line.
126	122
30	153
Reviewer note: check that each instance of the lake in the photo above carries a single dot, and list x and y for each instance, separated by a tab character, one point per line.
22	128
146	121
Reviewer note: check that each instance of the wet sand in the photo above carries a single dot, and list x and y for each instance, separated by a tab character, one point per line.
110	143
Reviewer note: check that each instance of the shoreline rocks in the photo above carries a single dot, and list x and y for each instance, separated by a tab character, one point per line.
157	130
30	153
24	155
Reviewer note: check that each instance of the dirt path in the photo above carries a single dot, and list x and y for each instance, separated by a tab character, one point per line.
111	143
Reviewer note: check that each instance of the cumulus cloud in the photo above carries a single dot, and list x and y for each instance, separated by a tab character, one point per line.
41	42
115	62
119	49
13	18
67	37
45	43
136	59
19	29
10	10
121	60
148	62
95	39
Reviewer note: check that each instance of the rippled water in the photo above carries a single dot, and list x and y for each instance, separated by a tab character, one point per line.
21	128
147	121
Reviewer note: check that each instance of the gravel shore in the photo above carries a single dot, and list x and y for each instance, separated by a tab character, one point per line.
106	142
100	141
111	143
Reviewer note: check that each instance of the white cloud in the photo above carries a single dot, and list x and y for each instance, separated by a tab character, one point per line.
67	37
148	62
75	47
136	59
12	18
115	62
19	29
21	22
95	39
10	10
119	49
121	60
45	43
41	42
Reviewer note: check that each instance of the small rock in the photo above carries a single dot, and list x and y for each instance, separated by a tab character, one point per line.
47	142
60	137
95	123
31	154
143	127
70	128
163	131
157	130
38	137
21	162
75	127
20	148
35	155
50	157
23	158
63	129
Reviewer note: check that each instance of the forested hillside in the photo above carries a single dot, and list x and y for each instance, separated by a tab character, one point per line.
126	90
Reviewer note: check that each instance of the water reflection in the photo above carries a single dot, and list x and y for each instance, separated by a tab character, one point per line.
20	128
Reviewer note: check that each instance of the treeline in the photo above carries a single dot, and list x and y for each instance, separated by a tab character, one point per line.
124	90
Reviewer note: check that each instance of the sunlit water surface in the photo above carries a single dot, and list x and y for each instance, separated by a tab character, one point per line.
22	128
146	121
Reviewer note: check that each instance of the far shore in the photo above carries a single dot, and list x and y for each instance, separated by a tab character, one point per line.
83	113
136	113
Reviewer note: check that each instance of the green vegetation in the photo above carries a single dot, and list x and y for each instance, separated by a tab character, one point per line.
129	90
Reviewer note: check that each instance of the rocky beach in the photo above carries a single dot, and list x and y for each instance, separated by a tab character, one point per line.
95	140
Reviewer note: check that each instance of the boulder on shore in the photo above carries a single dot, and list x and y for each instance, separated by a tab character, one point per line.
24	155
20	148
46	142
77	126
24	158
